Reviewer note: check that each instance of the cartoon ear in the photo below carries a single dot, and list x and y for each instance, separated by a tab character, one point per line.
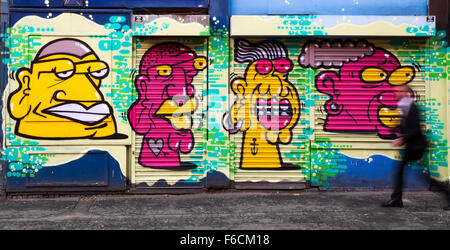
325	82
18	103
238	85
239	115
142	83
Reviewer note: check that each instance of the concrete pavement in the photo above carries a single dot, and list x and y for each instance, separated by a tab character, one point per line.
228	210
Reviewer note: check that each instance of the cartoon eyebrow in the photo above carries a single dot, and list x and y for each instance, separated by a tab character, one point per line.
333	54
43	72
178	63
46	72
387	60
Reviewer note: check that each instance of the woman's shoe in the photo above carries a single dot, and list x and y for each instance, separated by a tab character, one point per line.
393	203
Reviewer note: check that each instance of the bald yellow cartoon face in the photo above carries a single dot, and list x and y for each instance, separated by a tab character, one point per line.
59	97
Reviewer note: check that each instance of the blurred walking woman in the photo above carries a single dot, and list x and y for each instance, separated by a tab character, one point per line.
411	136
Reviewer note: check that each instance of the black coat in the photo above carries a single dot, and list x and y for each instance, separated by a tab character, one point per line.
412	134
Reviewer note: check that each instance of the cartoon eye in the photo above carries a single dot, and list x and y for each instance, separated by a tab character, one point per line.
164	70
373	75
65	74
263	66
200	63
100	73
282	65
401	76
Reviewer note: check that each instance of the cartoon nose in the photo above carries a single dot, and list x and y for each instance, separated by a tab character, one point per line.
84	91
180	92
180	100
280	75
62	95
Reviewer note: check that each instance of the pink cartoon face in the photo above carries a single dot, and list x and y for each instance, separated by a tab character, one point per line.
362	94
166	102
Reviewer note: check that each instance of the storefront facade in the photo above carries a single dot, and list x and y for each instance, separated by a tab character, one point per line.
191	95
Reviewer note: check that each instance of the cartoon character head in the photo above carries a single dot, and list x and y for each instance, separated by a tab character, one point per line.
267	105
266	99
59	96
362	95
166	102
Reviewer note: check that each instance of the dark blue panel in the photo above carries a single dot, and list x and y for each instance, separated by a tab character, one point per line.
96	170
73	3
117	3
329	7
149	4
89	170
218	7
35	3
214	179
376	173
99	16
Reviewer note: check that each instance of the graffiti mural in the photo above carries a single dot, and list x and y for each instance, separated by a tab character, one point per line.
59	97
361	94
165	104
61	87
307	116
267	105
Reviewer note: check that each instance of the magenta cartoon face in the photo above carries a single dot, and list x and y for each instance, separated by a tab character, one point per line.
166	102
361	94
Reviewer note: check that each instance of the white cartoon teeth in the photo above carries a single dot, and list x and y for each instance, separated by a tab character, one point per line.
265	109
274	114
79	113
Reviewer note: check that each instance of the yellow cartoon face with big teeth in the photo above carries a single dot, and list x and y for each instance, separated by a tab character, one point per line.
267	105
271	103
59	97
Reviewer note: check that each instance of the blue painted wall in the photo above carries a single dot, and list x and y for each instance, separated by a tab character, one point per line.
99	16
113	3
329	7
251	7
96	170
218	7
376	174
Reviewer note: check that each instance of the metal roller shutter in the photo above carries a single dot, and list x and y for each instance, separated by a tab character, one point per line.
270	163
168	171
327	79
348	112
